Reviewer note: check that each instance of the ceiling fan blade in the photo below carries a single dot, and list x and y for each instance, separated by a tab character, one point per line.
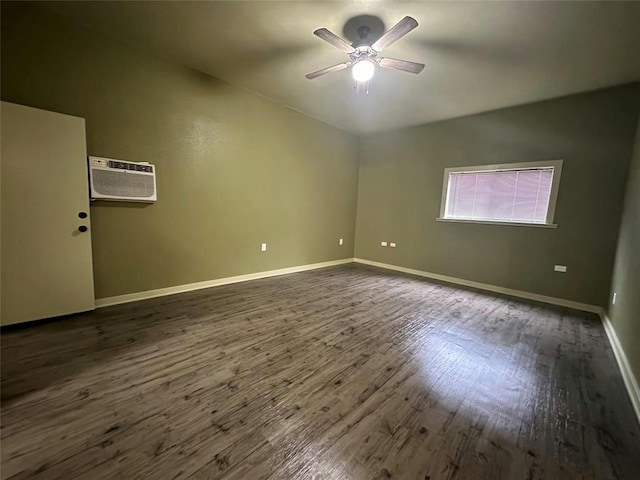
334	40
404	65
323	71
395	33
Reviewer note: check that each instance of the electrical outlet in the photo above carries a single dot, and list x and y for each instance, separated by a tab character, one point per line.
340	242
392	244
613	300
560	268
383	244
263	247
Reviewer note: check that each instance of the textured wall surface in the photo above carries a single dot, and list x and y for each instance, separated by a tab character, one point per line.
400	186
234	169
625	314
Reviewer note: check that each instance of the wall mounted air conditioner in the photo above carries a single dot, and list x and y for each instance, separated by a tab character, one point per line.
122	181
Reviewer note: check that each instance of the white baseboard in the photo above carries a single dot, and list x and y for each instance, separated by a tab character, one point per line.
623	364
486	286
160	292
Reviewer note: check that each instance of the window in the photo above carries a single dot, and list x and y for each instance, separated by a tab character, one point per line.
518	193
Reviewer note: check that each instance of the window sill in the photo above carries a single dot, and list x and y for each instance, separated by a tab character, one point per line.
489	222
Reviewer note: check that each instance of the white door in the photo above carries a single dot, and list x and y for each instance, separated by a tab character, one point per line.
45	237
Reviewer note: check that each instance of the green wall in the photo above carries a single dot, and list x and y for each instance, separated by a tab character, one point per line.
400	186
625	314
234	169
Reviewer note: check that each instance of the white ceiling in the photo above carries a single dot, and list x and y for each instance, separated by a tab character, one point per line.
479	55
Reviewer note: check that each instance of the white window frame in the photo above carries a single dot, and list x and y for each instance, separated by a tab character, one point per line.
553	197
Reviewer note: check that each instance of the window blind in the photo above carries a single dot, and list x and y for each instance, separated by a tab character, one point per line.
502	196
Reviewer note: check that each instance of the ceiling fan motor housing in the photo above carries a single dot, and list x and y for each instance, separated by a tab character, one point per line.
364	52
363	34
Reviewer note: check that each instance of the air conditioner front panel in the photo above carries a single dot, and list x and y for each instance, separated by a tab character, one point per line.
123	181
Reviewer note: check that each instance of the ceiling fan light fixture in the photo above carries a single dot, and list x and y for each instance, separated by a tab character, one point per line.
363	70
364	58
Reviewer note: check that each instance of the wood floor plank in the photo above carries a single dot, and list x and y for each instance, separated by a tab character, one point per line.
349	372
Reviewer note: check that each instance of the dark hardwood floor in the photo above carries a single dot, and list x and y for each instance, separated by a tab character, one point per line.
342	373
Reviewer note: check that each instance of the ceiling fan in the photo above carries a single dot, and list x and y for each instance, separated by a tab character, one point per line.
364	56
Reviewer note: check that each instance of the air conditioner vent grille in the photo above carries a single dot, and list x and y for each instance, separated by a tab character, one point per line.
120	184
